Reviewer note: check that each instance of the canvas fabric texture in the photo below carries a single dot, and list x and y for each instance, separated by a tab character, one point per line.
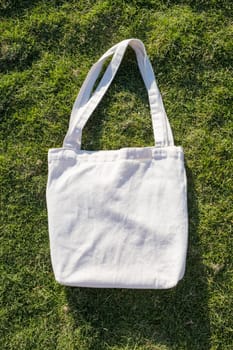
118	218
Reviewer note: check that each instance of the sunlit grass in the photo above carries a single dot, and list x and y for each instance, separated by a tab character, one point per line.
47	48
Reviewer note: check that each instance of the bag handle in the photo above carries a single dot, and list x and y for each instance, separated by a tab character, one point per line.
85	105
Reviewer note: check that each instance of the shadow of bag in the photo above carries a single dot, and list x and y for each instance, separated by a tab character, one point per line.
118	218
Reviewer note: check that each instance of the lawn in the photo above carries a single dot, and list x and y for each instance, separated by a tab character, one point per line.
47	48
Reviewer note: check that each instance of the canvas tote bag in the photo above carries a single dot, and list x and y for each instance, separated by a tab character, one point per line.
117	218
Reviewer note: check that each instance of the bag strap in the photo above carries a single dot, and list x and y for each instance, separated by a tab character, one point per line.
85	104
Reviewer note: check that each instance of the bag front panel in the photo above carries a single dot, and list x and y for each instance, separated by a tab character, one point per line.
119	223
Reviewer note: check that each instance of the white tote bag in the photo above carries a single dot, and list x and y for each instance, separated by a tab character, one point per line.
118	218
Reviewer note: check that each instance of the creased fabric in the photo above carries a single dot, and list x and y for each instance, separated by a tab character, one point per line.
118	219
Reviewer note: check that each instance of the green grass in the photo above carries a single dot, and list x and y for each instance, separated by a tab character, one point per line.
47	48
